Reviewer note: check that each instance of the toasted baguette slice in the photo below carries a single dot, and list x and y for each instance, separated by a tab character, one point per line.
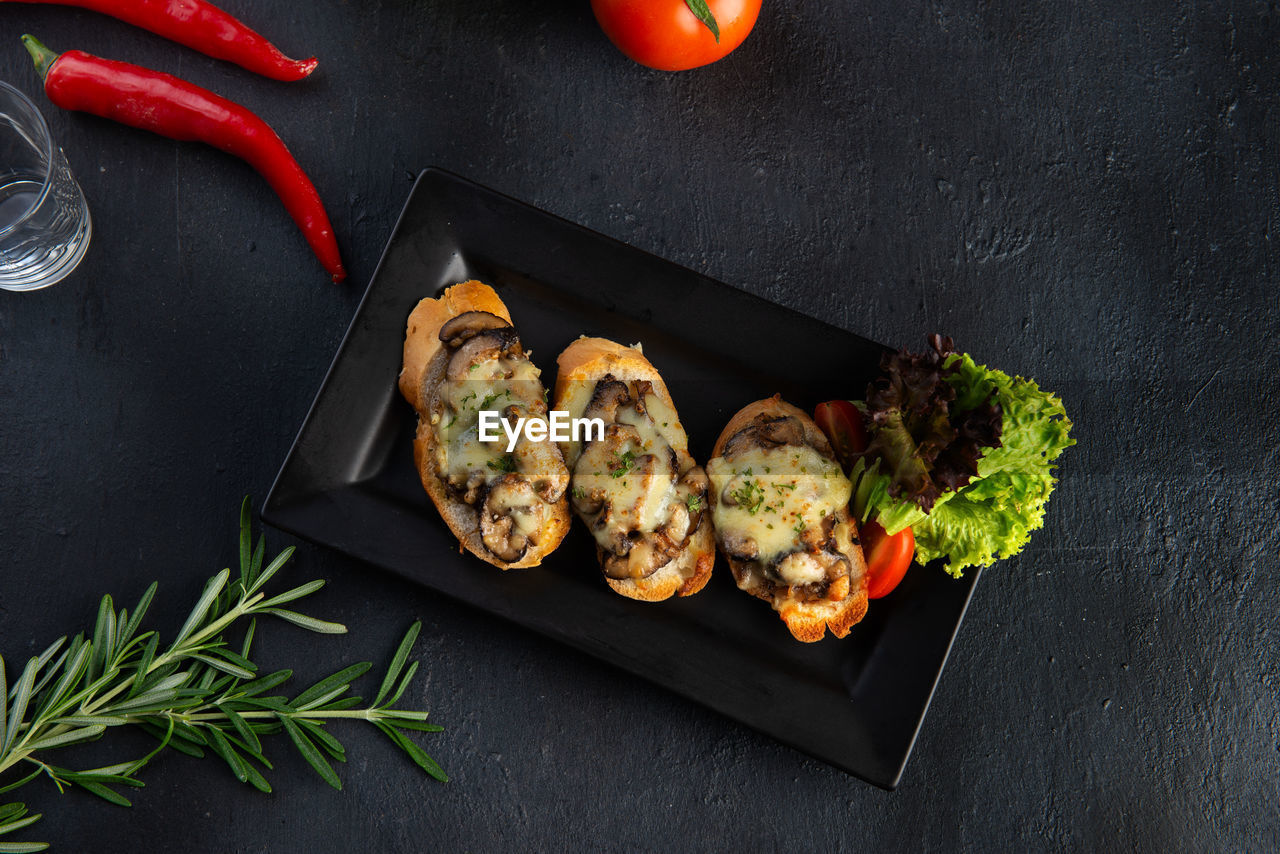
775	486
583	365
539	478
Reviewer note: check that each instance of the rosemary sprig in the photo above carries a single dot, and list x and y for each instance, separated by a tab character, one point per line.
196	694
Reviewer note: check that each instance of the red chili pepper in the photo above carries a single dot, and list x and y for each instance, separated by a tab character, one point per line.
163	104
203	27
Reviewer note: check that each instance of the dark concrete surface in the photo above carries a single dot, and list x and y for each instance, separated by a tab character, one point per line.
1081	192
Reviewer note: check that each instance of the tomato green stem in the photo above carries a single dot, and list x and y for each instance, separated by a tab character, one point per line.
703	13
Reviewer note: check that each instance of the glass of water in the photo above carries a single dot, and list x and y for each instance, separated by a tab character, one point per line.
44	221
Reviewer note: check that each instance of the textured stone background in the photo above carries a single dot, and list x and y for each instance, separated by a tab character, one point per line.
1082	192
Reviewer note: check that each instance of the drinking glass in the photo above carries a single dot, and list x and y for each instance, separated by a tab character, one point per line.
44	221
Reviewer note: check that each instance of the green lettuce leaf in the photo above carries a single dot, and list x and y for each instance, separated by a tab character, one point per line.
993	515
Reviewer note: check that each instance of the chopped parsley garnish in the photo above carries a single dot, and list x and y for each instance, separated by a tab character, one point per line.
626	463
505	463
469	396
490	398
579	492
799	528
694	503
749	496
782	487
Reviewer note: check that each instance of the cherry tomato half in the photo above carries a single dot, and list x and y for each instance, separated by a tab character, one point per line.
887	557
842	423
666	35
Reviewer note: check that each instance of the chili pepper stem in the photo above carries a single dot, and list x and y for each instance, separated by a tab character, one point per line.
40	55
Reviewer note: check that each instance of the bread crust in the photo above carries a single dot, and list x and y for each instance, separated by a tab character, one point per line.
807	621
421	377
579	367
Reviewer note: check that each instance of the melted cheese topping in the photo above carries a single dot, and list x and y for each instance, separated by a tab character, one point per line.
632	468
662	423
491	385
772	495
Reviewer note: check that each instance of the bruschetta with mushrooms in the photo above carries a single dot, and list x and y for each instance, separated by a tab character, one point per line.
463	357
779	504
633	482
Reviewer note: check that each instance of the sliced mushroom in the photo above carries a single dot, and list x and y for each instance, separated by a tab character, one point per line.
766	432
678	527
460	328
588	502
643	389
508	517
468	485
647	554
539	462
609	394
480	347
739	546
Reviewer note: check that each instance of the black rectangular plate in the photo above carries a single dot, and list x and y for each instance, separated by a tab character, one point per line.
349	481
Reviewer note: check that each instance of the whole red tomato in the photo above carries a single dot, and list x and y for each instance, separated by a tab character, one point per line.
665	34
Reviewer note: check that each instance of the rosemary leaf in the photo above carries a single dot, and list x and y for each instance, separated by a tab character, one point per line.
135	621
236	659
211	591
219	744
223	666
257	780
47	656
246	539
404	683
18	710
397	662
340	680
272	568
296	593
263	683
22	847
258	554
244	748
248	640
310	753
19	824
89	720
144	664
416	753
74	670
420	726
106	794
102	628
241	726
331	745
69	737
339	705
22	782
53	669
309	623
